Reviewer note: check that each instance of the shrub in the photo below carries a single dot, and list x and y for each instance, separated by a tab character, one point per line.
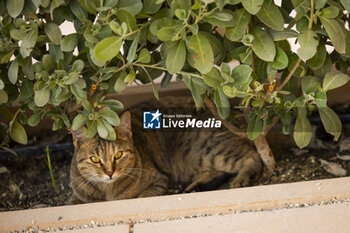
118	42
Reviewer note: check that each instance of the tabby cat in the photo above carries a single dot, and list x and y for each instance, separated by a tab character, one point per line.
143	163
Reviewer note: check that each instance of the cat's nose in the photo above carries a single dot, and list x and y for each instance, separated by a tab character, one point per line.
109	173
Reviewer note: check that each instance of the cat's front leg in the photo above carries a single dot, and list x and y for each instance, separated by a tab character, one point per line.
159	187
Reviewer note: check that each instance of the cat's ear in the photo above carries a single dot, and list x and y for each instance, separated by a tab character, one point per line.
123	131
78	136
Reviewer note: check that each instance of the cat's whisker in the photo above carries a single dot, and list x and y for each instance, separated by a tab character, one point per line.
89	180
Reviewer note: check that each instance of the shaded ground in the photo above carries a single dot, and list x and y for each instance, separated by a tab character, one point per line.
27	183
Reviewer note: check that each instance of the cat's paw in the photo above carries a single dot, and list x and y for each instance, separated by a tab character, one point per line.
240	181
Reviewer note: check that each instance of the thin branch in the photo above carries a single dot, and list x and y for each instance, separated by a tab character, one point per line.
233	129
273	123
290	75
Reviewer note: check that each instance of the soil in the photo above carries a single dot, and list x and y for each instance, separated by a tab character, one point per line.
26	183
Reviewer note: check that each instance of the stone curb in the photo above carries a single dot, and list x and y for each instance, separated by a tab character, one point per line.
171	207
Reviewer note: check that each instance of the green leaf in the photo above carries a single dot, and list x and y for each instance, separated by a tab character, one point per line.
2	85
302	132
298	4
77	10
53	32
270	15
131	76
321	99
49	62
263	45
346	4
14	8
231	92
310	84
41	97
235	33
281	60
161	23
71	78
13	72
166	33
180	4
252	6
18	133
78	91
78	121
221	19
17	34
78	66
151	6
111	133
202	55
91	129
331	122
308	45
282	35
176	57
29	41
144	56
255	127
335	33
102	130
242	75
111	3
3	97
132	50
120	84
55	4
334	79
213	78
330	12
317	61
108	48
124	15
34	119
44	3
134	6
197	87
222	104
320	3
115	105
110	116
69	42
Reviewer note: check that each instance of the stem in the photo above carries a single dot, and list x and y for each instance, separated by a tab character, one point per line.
233	129
162	68
311	14
289	75
265	152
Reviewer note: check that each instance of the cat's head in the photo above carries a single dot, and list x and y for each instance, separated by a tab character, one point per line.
99	160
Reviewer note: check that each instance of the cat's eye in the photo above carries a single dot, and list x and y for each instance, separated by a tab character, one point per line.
95	159
118	155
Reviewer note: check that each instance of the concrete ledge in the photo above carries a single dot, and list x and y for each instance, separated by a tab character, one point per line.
108	229
328	218
160	208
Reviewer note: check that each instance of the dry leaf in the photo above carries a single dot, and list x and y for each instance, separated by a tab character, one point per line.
333	168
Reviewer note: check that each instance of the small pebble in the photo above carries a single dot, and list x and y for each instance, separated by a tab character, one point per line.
179	198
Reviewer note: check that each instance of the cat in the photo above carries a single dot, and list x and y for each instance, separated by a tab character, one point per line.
143	163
